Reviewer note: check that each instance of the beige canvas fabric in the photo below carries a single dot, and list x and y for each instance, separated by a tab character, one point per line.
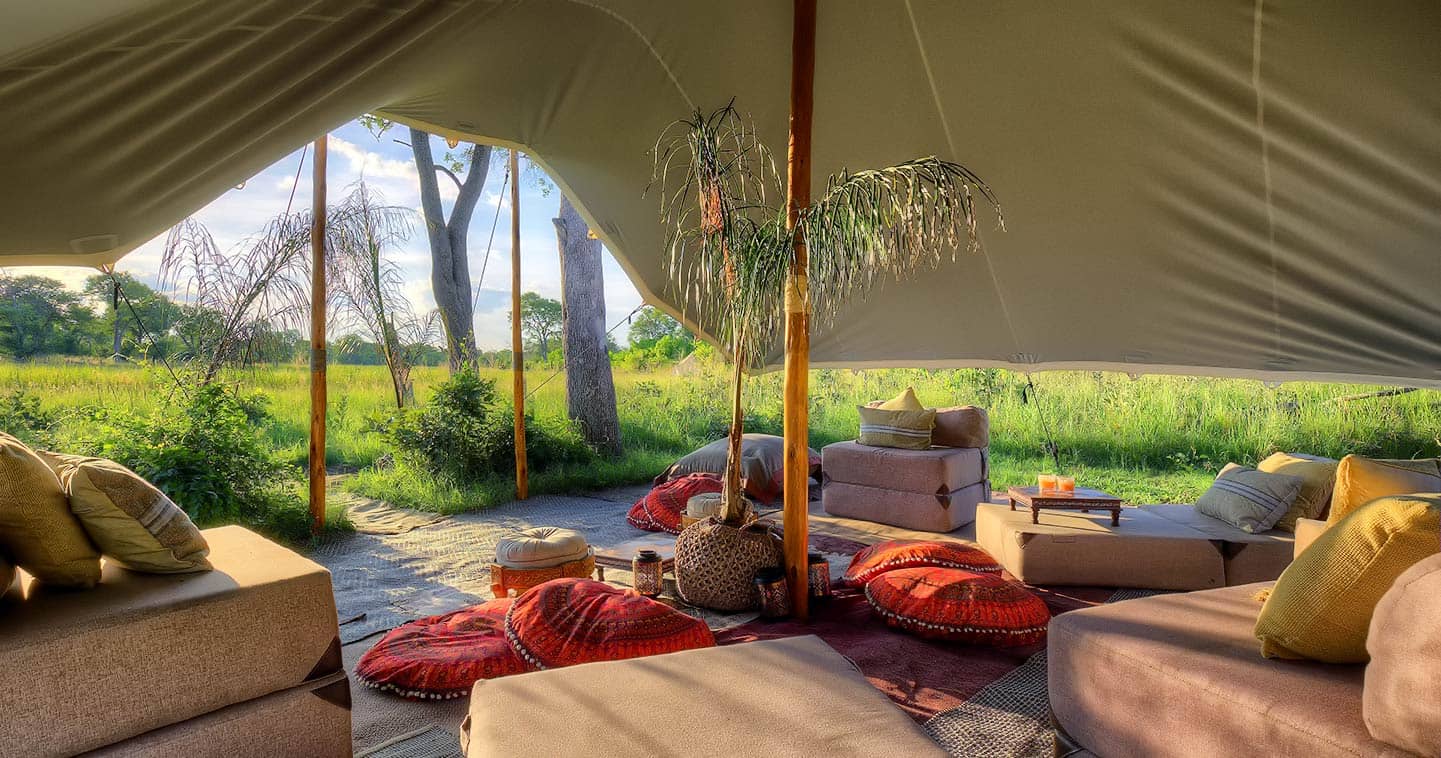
926	512
37	529
1074	548
1178	675
312	720
1247	557
130	520
931	471
786	697
1257	197
142	651
1402	700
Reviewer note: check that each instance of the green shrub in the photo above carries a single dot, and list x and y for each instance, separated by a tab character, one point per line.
465	433
208	453
22	416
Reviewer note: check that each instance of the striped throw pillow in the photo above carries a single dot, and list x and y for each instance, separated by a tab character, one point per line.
908	430
1249	499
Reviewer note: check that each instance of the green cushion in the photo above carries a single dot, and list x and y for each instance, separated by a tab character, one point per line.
1249	499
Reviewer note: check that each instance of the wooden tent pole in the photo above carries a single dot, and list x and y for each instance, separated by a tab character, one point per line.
798	338
517	347
317	339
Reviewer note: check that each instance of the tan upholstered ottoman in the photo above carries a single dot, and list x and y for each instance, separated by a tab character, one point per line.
933	490
1248	558
1073	548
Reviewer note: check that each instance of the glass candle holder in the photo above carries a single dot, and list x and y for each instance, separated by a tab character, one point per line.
818	574
1046	482
775	593
1066	484
646	573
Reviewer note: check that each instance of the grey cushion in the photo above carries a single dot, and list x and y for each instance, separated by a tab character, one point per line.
1249	499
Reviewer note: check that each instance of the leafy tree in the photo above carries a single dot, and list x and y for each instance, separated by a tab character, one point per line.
651	325
157	315
540	321
35	313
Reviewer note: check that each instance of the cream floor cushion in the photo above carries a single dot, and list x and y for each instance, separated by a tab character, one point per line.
540	547
1247	557
926	512
931	471
1180	675
143	651
776	698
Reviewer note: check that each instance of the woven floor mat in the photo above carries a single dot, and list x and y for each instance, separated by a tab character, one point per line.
431	742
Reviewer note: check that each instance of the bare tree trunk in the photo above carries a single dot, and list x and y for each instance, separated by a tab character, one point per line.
449	261
731	494
589	386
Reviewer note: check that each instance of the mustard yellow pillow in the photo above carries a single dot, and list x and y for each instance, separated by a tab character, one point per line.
37	530
906	401
1318	478
1321	605
132	522
907	430
1360	480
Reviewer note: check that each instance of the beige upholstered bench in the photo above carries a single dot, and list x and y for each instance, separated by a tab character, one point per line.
934	490
243	660
777	698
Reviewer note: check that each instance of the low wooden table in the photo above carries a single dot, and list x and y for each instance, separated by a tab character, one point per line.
619	556
1084	500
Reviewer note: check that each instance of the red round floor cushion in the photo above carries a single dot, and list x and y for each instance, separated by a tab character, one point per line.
442	657
660	510
959	605
568	621
899	554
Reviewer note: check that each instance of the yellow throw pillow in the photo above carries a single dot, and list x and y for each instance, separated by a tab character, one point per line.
132	522
1318	478
906	401
37	530
1360	480
1321	606
907	430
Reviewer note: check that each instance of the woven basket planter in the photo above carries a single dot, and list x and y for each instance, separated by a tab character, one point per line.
716	564
504	579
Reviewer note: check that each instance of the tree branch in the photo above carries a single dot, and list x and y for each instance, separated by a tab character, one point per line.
458	185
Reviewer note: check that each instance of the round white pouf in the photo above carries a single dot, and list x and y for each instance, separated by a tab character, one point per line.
540	547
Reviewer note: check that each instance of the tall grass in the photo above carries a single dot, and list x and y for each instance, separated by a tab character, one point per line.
1151	439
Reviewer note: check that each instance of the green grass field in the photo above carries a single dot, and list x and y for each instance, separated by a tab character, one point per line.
1152	439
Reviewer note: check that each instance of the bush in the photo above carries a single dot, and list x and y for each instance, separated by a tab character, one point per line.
22	416
466	434
207	452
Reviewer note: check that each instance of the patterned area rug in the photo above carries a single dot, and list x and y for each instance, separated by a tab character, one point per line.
1010	717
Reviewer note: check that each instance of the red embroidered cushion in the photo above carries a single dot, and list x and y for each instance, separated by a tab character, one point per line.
442	657
898	554
568	621
662	506
959	605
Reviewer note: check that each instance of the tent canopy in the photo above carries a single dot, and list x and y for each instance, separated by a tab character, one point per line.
1245	187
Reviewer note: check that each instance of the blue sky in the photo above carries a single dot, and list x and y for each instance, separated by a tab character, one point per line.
388	168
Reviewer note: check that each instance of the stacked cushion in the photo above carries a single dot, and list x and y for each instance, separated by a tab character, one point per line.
442	657
571	621
37	530
1401	702
132	522
1321	606
933	490
540	547
959	606
904	429
892	555
1248	499
1318	479
1360	480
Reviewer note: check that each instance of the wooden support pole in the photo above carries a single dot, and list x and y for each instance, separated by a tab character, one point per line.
317	339
798	337
517	347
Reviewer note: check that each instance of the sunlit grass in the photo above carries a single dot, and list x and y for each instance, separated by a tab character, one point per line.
1153	439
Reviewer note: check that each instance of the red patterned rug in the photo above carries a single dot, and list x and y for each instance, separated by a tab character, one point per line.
923	677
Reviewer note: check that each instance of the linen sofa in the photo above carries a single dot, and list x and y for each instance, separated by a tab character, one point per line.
787	697
1165	547
1182	675
243	660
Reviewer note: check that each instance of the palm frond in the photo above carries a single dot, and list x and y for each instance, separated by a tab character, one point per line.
889	222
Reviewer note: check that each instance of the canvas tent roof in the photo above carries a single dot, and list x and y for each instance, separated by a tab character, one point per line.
1242	187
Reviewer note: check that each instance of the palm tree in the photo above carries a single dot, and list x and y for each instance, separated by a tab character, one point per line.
729	248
